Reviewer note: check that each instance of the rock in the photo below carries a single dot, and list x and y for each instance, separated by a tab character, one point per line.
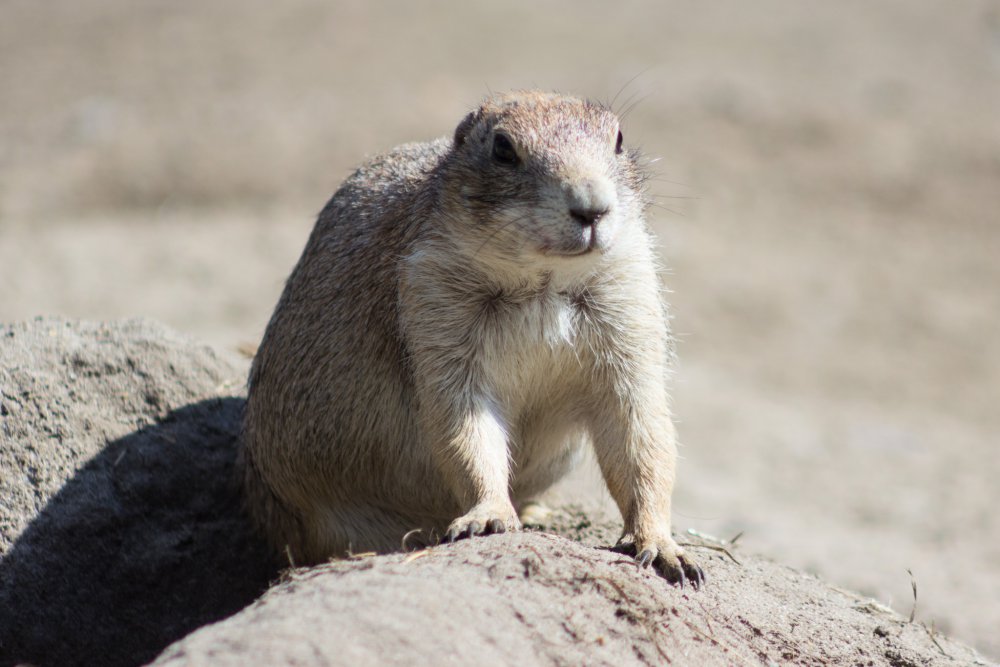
120	526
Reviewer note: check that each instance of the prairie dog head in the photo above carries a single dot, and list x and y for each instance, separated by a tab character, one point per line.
543	181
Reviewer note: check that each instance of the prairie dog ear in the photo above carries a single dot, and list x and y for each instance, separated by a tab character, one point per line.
463	129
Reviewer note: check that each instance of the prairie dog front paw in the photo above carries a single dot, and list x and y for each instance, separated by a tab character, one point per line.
484	519
666	557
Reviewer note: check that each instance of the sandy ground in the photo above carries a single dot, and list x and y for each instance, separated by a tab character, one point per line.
826	204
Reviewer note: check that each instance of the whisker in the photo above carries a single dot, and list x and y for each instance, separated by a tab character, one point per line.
624	114
673	196
611	105
500	229
660	179
628	100
664	208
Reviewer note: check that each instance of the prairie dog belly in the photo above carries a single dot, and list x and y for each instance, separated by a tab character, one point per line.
539	375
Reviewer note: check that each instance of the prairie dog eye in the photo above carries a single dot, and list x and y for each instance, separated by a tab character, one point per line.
618	143
503	150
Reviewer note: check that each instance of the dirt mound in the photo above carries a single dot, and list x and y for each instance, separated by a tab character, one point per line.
121	533
540	599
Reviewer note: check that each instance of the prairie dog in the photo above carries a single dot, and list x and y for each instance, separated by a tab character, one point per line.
468	314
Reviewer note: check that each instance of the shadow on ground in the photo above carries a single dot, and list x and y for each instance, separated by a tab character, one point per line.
144	544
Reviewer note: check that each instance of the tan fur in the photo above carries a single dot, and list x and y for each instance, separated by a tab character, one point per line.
447	344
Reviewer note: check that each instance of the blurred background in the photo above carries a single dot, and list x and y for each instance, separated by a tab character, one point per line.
827	202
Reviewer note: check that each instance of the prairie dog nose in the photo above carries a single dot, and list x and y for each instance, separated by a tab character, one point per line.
589	199
587	216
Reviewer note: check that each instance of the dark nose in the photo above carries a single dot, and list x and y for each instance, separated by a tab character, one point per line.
587	216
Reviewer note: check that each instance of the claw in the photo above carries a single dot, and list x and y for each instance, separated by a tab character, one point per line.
701	577
645	558
451	536
694	572
496	526
475	528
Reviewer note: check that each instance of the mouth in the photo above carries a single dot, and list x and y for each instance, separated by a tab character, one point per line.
585	251
568	252
585	245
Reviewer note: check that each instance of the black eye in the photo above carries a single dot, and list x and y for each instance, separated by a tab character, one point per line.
503	150
618	143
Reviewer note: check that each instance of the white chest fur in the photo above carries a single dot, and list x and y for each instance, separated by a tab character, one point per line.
530	355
